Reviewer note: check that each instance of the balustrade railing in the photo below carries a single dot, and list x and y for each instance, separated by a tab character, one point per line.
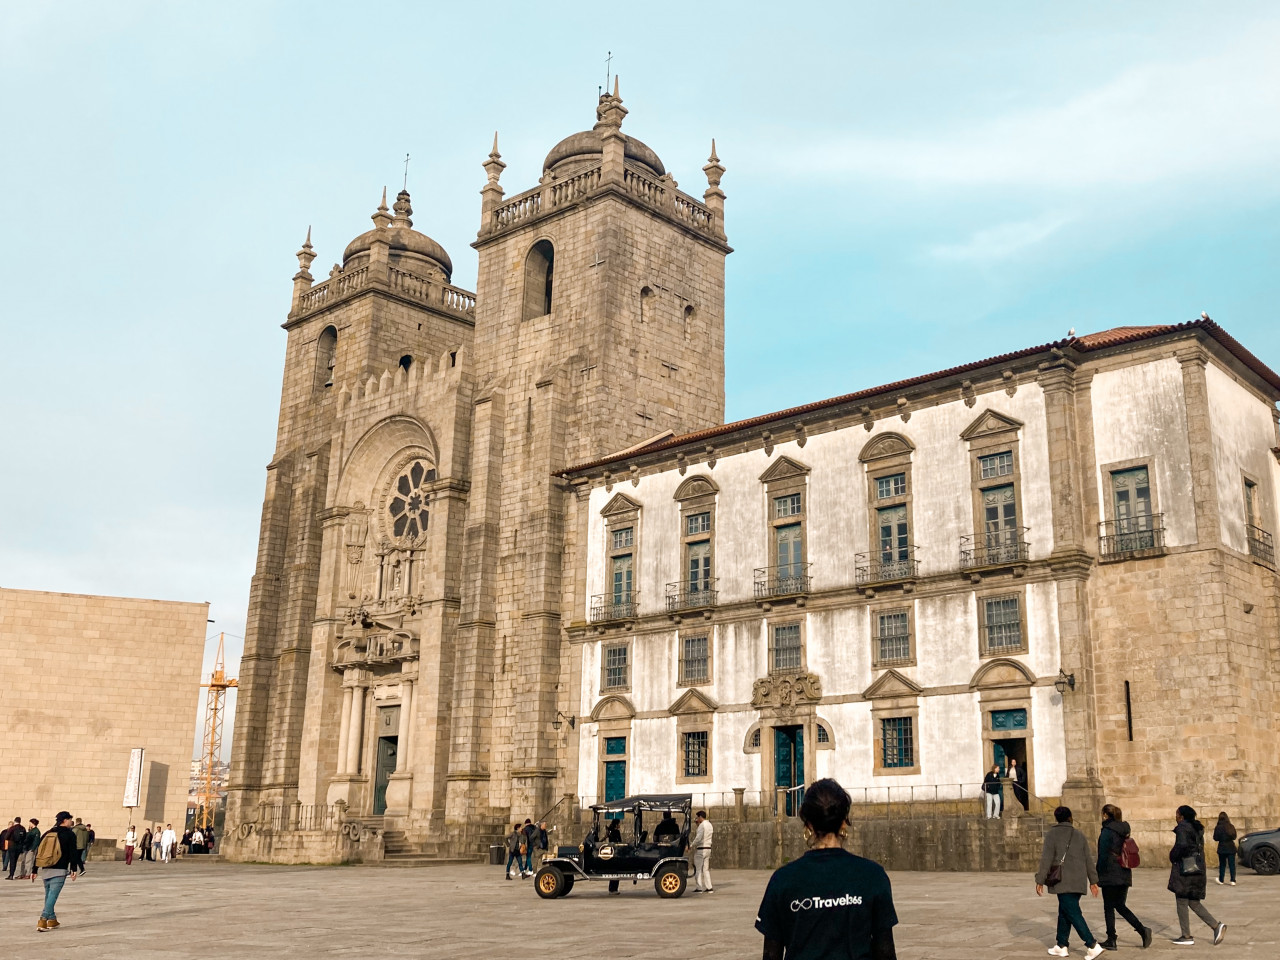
1260	543
639	185
522	207
692	212
886	566
691	595
995	548
784	581
1131	535
408	284
579	185
608	606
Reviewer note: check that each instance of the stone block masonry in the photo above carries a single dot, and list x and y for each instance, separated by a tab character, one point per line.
87	679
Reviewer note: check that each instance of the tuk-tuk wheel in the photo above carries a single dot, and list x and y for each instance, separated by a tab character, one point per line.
549	883
670	883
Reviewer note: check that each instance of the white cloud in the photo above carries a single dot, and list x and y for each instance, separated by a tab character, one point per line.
1002	241
1211	116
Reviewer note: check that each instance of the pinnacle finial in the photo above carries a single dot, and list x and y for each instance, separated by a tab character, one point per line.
494	165
305	256
713	158
615	87
306	244
494	152
381	217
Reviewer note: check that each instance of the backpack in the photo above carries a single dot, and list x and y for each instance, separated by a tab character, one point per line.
1128	857
50	850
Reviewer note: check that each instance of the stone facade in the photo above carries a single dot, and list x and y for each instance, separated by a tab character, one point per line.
404	647
124	673
452	625
924	512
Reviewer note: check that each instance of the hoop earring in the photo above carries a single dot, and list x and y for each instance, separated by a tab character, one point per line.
844	833
808	836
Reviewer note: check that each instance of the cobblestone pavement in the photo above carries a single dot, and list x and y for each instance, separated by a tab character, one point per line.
226	911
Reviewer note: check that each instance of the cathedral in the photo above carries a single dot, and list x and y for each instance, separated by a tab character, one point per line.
512	561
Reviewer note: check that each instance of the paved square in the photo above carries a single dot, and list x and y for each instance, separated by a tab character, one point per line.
209	910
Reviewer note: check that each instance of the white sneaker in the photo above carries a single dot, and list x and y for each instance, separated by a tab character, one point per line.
1057	951
1093	952
1218	882
1233	883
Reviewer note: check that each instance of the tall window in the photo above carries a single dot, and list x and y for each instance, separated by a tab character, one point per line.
1131	498
789	551
893	637
897	738
1000	523
695	659
894	485
617	667
1251	513
788	506
539	269
699	566
1002	624
694	748
894	547
623	574
785	654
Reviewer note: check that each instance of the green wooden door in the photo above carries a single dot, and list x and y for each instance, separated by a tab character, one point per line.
386	767
788	764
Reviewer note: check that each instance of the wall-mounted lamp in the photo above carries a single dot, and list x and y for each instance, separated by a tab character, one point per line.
1066	681
561	718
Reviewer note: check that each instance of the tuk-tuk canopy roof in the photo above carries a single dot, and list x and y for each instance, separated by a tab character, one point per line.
647	801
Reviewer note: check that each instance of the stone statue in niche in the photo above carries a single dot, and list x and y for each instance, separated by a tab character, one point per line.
357	529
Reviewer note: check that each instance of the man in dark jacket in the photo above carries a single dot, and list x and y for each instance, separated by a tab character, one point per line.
29	850
1066	848
1114	878
1186	875
55	876
14	839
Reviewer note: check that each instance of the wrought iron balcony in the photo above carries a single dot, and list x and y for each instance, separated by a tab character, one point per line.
1260	544
614	606
886	566
691	595
789	580
997	549
1141	536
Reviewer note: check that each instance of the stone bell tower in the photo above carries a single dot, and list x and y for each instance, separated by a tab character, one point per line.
599	325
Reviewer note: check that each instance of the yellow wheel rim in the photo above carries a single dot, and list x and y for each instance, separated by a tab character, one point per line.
670	883
547	883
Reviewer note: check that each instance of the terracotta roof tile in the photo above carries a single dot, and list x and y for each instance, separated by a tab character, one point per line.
1115	336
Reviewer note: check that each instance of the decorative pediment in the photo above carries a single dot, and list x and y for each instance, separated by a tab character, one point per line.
783	469
786	691
620	504
990	423
892	684
613	707
885	445
698	486
1001	673
693	701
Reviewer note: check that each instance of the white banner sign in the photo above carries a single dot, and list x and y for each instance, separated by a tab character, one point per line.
133	782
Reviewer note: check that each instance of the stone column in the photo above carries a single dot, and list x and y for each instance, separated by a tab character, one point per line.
344	730
1204	482
402	740
355	732
1071	565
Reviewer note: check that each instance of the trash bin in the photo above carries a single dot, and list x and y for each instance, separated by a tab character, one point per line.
495	854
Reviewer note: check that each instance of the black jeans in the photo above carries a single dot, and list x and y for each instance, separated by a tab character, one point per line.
1223	860
1113	902
1069	916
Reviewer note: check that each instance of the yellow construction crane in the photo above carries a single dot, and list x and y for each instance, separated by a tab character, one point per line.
214	710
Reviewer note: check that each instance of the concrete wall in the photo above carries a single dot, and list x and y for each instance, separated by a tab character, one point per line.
123	673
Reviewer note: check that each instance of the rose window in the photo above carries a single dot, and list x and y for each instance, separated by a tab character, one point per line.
408	505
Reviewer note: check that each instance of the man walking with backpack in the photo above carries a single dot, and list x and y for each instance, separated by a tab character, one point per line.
56	856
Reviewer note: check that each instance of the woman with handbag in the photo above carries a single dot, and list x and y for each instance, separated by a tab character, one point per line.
1186	875
1067	870
1225	834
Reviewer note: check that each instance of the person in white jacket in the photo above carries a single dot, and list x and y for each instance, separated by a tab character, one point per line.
167	840
702	854
130	841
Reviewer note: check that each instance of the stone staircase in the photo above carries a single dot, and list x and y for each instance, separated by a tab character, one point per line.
399	851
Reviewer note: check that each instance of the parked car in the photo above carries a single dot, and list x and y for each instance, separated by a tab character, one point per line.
619	847
1261	850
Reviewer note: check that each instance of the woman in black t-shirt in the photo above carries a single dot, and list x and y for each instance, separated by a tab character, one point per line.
829	904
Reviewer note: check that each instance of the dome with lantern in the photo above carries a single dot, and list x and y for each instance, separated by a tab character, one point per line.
409	250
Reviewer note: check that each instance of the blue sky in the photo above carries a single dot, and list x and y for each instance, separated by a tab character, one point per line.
910	186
